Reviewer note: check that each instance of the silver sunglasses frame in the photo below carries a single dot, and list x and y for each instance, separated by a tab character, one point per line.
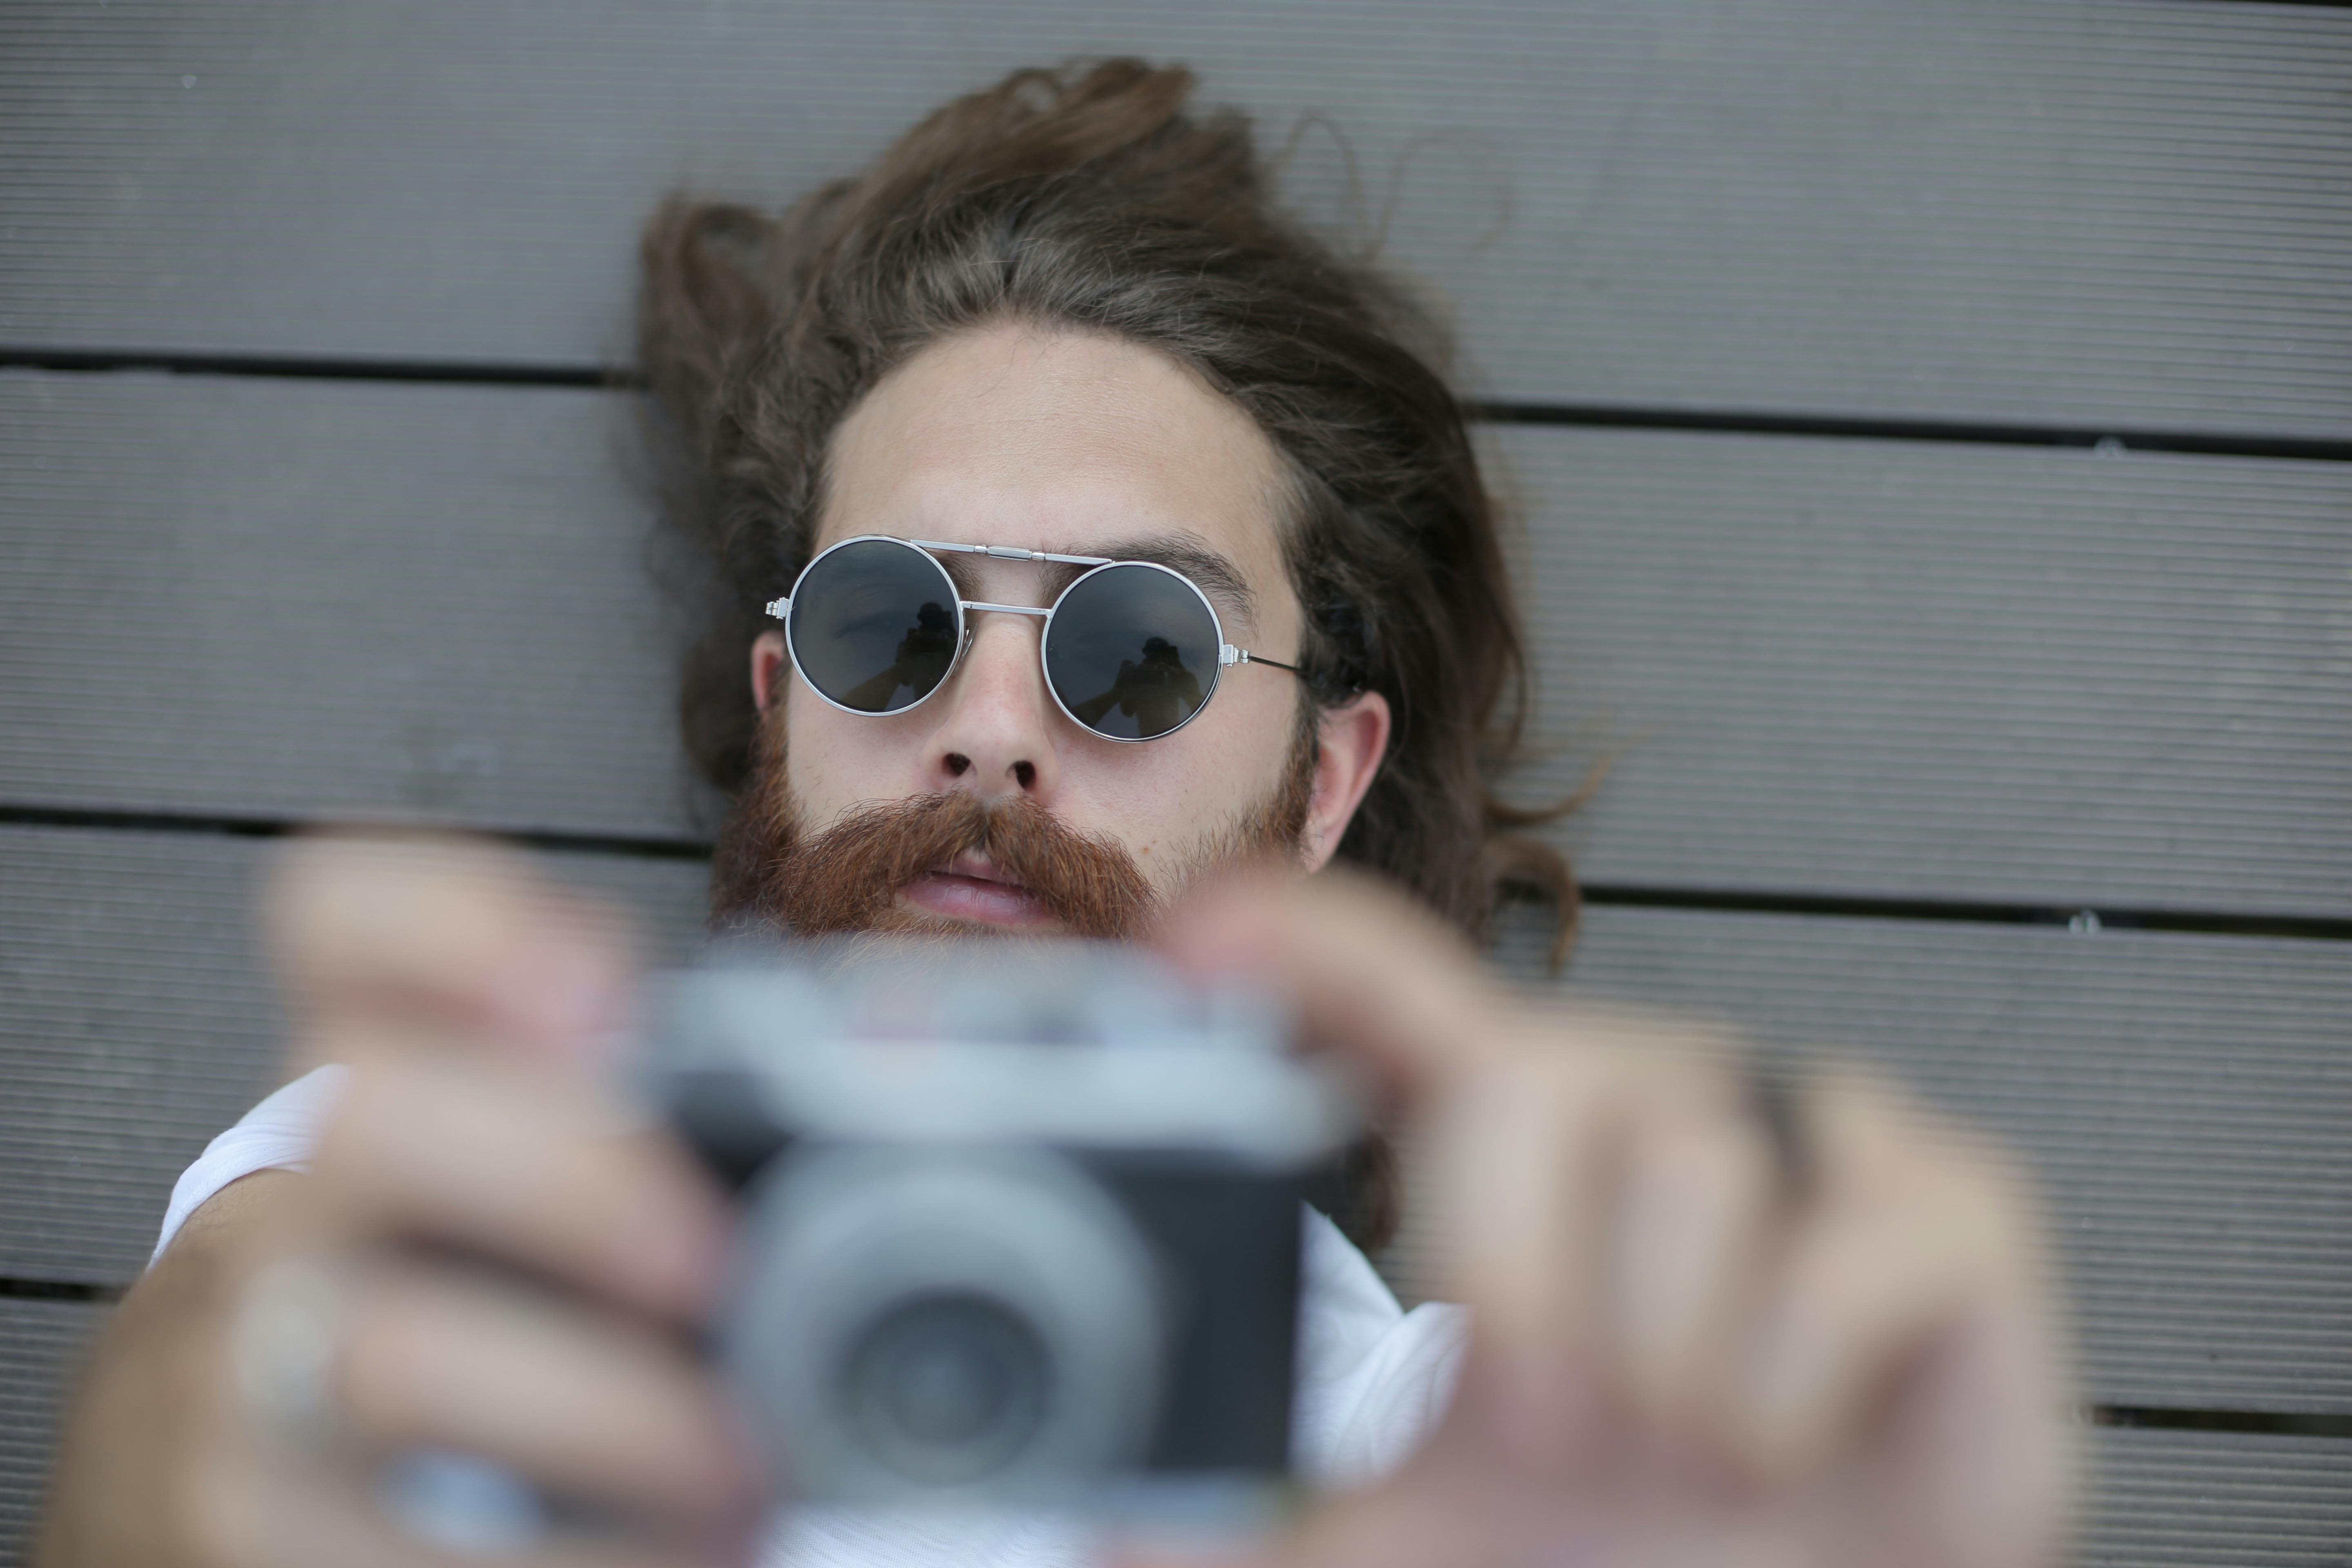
929	549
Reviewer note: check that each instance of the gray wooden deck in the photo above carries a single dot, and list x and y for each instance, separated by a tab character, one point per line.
1799	326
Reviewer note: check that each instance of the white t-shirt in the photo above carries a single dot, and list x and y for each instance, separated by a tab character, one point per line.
1371	1378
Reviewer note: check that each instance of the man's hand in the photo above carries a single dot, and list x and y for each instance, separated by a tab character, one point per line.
1689	1346
1680	1356
530	1260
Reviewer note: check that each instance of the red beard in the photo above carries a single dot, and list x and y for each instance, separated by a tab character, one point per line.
770	876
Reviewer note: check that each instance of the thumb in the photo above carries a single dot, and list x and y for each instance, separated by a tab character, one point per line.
1372	975
460	934
1387	1527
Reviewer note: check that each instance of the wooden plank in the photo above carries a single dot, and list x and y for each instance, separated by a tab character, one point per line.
2183	1098
2113	215
2156	1497
41	1348
136	1022
422	633
1880	669
2216	1499
1943	672
2181	1101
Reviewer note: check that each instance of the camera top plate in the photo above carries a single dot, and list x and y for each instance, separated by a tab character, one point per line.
1084	1045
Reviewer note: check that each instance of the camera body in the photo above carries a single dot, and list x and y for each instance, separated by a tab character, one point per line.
1020	1225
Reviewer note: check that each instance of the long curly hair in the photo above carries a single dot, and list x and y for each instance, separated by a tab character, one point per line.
1089	197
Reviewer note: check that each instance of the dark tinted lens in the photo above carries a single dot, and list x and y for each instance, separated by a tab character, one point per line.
873	626
1132	651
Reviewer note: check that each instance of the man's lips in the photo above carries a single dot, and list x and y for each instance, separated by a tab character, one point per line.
971	889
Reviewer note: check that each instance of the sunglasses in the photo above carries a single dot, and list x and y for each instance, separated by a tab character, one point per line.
1132	649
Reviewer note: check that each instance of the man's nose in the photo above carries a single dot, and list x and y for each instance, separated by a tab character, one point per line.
996	734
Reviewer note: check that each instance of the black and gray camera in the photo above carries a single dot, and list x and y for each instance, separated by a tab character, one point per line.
1020	1225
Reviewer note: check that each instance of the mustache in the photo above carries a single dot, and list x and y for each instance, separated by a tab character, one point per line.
848	877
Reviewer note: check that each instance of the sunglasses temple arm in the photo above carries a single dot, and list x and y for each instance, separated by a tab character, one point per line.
1229	655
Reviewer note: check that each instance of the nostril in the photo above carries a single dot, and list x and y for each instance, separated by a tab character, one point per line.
959	765
1025	774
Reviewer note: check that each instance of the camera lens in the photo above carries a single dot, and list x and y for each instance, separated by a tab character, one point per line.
946	1390
937	1324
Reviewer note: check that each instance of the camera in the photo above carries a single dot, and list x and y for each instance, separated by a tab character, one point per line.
1019	1224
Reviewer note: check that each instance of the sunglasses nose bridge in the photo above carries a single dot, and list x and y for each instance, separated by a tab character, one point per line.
979	613
994	724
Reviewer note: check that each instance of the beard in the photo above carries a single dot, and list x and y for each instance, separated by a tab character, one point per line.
770	875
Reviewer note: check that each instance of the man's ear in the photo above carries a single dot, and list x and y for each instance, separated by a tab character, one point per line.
1350	741
767	666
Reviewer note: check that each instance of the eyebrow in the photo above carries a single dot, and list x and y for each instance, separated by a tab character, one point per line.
1215	572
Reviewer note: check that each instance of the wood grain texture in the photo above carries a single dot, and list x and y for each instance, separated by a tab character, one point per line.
1879	669
2179	1100
2182	1098
430	602
2085	213
2156	1500
1876	669
41	1348
1941	672
137	1021
2215	1499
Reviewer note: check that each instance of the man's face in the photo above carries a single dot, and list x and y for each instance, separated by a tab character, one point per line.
1083	445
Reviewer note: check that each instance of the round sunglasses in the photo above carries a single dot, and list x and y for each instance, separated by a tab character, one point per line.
1131	649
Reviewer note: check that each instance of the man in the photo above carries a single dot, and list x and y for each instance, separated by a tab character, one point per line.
1047	397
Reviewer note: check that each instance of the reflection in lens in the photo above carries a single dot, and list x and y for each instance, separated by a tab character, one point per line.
1132	651
946	1390
873	626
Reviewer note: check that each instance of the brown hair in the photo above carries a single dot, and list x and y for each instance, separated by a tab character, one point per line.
1087	197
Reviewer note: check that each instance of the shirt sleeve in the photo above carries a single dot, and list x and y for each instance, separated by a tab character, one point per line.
1399	1395
278	1134
1374	1379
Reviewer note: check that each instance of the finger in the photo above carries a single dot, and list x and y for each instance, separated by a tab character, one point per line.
256	1513
1383	1528
1691	1229
1913	1237
1370	974
490	1157
1983	1436
1526	1111
585	1406
465	932
1518	1161
1536	1160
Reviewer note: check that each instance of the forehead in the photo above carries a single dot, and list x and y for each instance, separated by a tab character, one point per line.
1056	440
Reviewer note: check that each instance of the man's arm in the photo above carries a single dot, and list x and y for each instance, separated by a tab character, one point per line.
509	1262
157	1378
1705	1332
1675	1359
